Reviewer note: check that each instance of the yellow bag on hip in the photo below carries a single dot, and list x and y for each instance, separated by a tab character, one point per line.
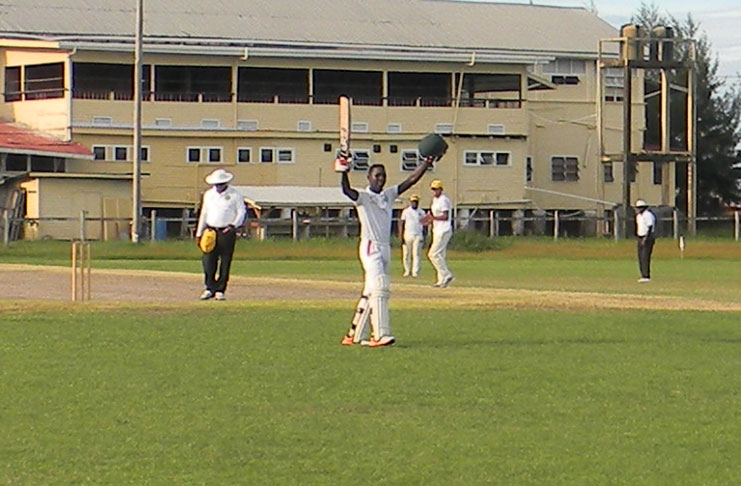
208	240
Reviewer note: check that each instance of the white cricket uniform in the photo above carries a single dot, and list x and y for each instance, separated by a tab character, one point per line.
221	209
413	240
645	223
374	214
441	234
645	229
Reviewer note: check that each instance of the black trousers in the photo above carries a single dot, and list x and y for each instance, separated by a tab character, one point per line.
220	258
645	247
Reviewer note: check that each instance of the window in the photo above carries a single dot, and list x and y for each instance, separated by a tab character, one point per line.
422	89
40	163
44	81
16	162
614	84
565	66
99	152
214	155
193	83
410	160
210	123
303	126
564	169
361	159
204	154
247	125
444	128
244	155
481	90
486	158
267	155
285	156
568	80
393	128
364	87
163	122
13	84
267	85
607	171
93	80
528	169
565	71
359	127
657	173
120	153
102	121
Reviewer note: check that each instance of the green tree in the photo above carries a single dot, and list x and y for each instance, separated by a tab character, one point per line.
718	109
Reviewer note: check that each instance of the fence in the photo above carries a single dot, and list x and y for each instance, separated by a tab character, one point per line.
493	223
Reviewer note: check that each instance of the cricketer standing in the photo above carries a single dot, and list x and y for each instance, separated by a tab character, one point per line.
412	236
374	206
442	230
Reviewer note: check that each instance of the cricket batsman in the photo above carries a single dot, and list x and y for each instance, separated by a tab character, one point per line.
374	206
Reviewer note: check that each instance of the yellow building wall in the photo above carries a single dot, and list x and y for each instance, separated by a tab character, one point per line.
51	116
550	122
64	199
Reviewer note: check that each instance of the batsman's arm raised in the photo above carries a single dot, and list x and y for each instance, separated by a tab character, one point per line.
346	189
415	176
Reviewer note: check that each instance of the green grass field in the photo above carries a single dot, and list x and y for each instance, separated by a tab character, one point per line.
261	393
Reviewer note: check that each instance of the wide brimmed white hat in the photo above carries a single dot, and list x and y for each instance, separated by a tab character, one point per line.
219	176
641	203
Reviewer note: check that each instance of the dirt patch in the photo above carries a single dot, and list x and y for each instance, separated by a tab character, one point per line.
43	283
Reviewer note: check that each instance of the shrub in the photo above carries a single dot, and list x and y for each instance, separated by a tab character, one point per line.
475	242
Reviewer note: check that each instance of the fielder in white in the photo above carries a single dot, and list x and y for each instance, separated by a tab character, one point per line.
374	205
442	230
412	236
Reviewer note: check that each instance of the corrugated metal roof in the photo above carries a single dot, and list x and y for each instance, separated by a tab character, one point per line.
415	24
294	196
18	139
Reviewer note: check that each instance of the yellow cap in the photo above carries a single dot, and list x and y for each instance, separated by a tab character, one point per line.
436	184
414	197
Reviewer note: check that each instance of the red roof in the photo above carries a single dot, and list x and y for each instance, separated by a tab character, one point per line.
17	139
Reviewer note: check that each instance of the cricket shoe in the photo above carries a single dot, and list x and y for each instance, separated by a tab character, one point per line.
207	294
375	343
447	281
219	296
644	280
347	340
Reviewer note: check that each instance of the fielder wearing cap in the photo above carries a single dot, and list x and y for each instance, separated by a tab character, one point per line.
645	231
223	211
442	231
374	205
411	233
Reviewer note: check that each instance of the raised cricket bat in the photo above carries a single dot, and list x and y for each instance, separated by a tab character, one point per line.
344	125
342	163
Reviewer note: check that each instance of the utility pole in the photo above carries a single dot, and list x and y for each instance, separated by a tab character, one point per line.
136	176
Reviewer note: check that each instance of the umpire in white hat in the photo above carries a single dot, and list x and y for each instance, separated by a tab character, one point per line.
645	231
223	211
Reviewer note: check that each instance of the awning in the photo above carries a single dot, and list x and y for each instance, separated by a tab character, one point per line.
17	139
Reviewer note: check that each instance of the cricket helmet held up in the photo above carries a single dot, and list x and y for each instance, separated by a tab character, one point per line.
432	145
